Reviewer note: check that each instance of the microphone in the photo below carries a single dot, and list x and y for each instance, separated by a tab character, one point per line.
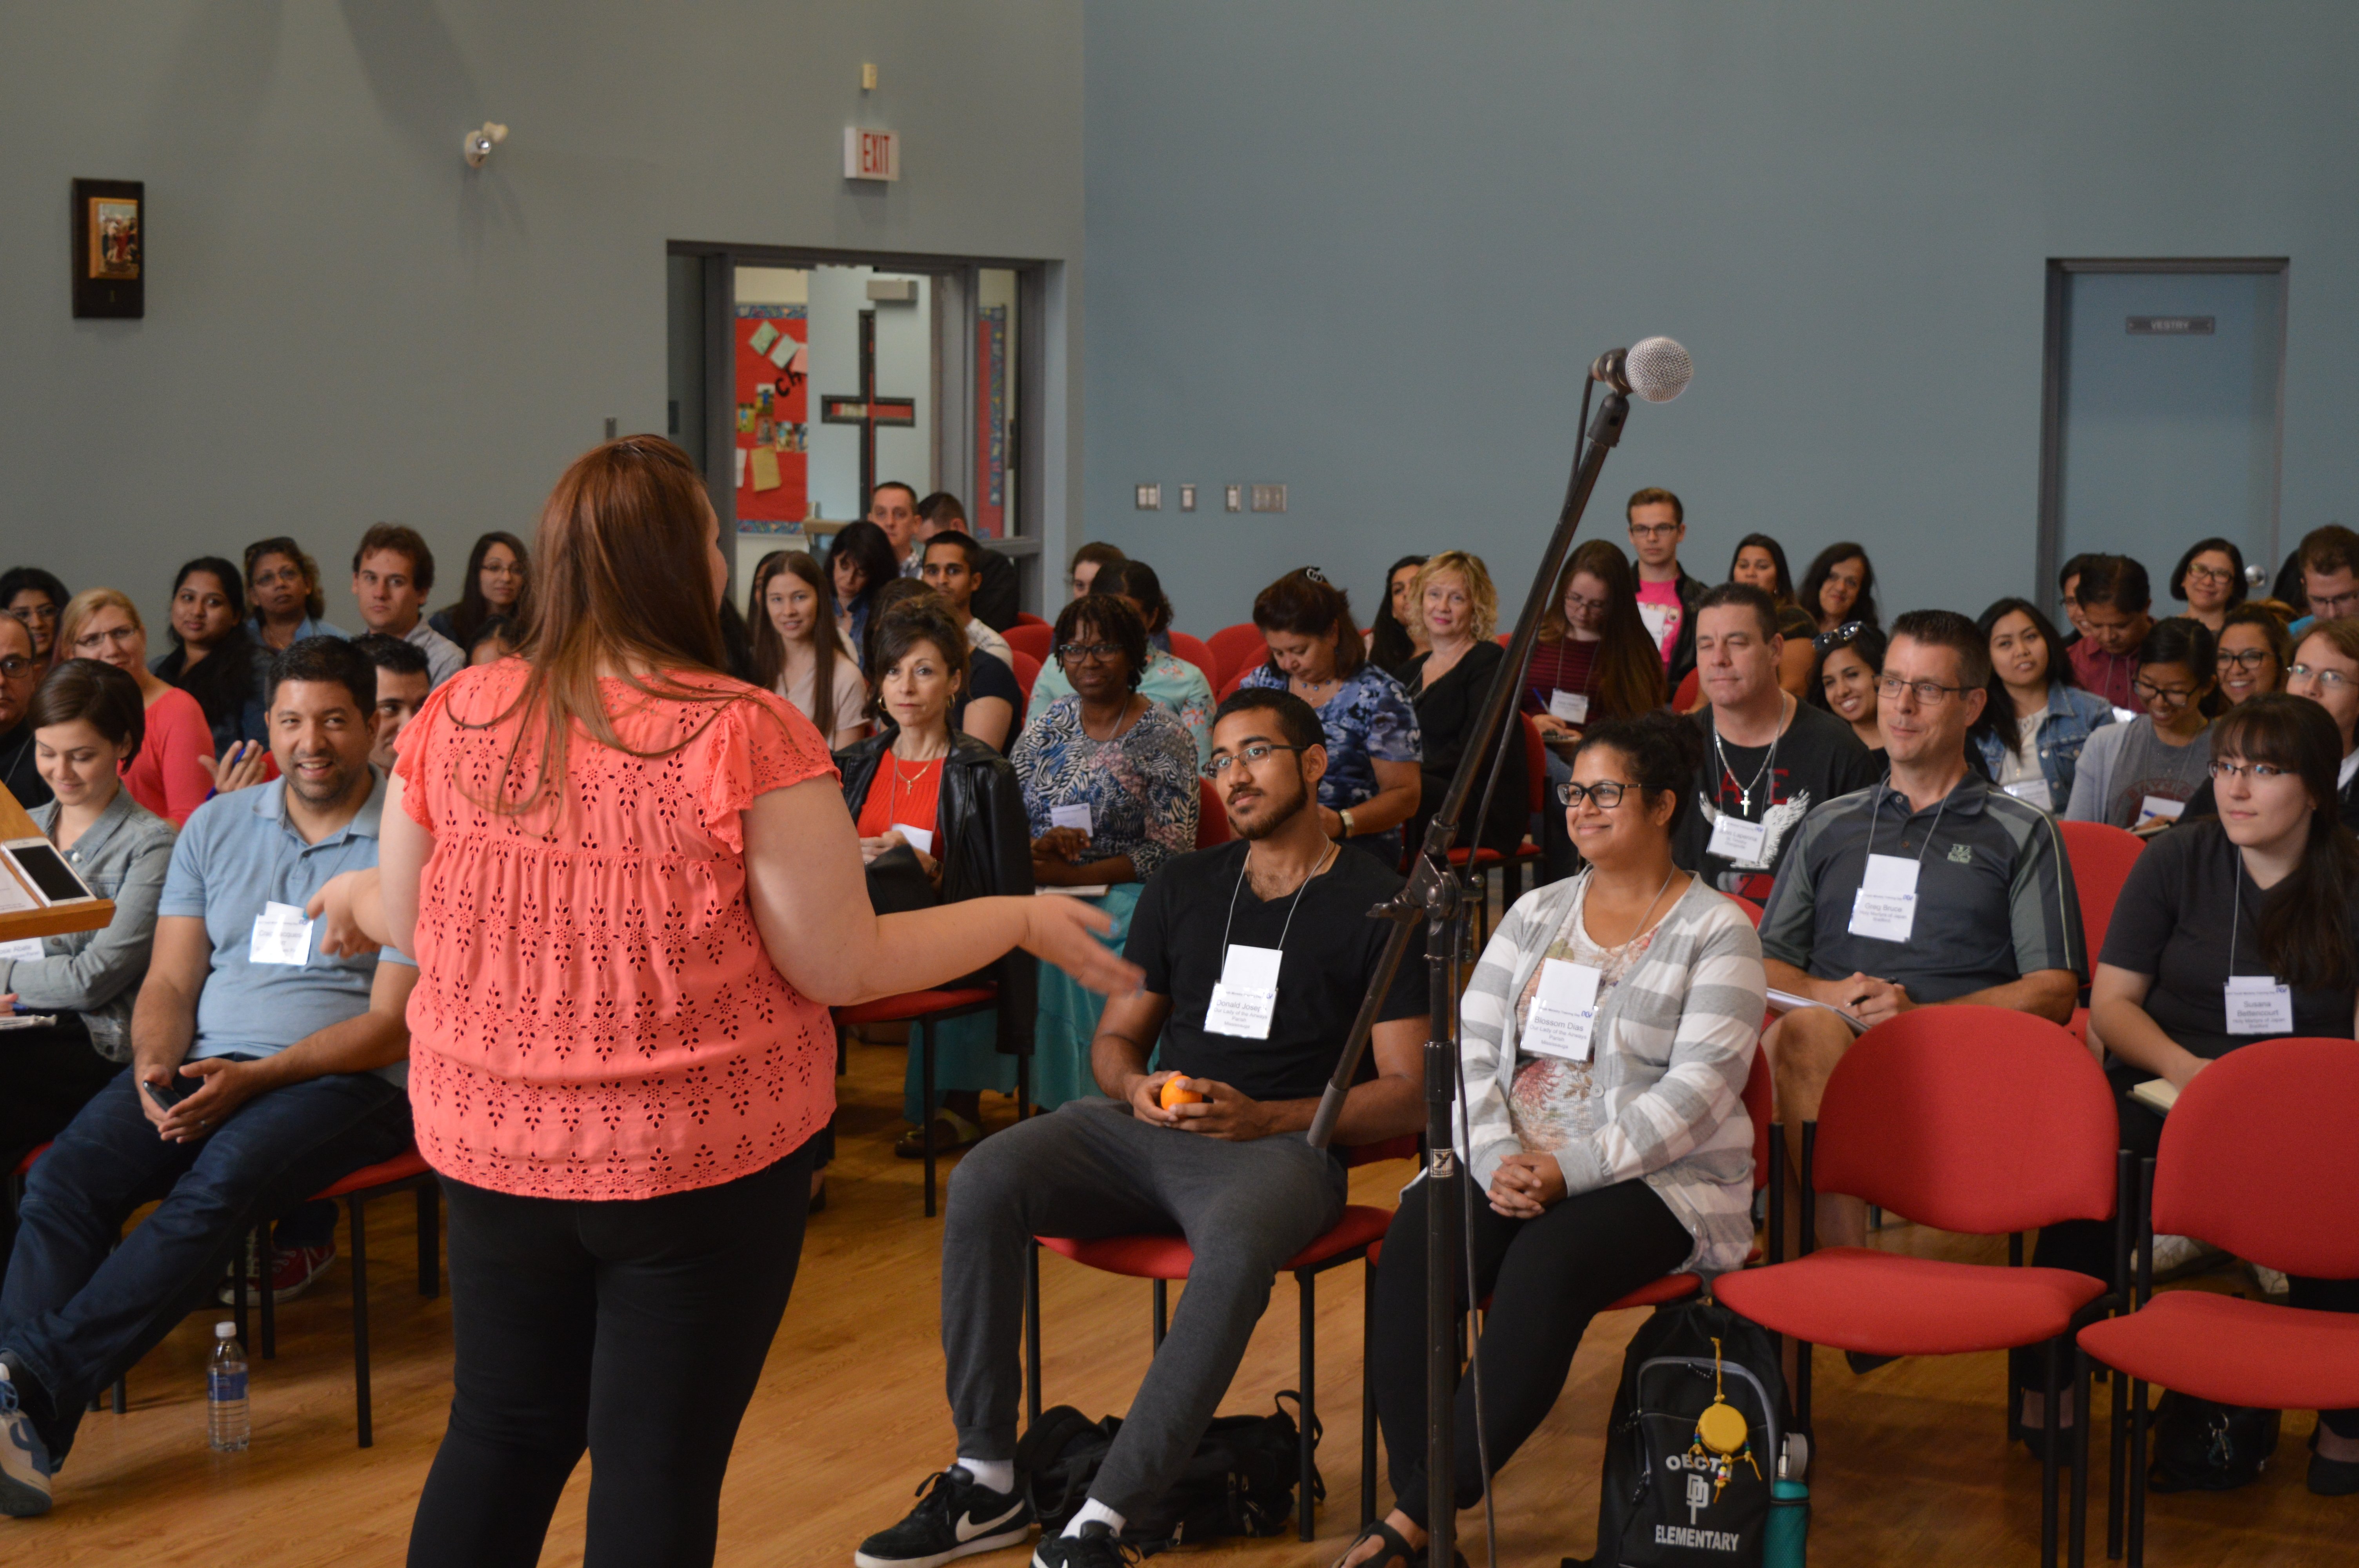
1656	368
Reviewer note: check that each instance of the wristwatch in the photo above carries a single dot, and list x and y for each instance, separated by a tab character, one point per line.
1346	815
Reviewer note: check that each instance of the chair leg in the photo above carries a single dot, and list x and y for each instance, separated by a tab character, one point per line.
2136	1476
1162	1312
1023	1086
237	1300
1306	1288
361	1403
123	1394
2014	1249
923	1038
2051	1458
1031	1331
1802	1389
429	1238
2117	1466
2081	1421
1367	1398
266	1260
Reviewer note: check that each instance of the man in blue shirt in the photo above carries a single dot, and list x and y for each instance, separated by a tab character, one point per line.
262	1071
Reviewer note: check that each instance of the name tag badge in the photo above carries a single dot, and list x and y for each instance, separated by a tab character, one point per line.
2258	1004
1246	997
1739	842
24	950
2035	791
2154	808
1075	815
1563	1011
1573	706
921	839
1886	905
282	935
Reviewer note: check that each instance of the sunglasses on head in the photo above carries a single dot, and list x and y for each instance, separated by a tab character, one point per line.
1839	636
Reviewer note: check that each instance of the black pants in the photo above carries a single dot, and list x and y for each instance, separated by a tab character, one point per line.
1547	1278
47	1075
635	1330
2086	1246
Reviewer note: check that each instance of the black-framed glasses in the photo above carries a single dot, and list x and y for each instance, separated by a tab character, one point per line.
1654	530
1929	693
1606	794
2245	659
1251	752
1074	653
2333	606
2254	771
2212	574
2177	695
1842	635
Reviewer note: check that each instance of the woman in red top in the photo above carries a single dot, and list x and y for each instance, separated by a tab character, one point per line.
173	773
633	891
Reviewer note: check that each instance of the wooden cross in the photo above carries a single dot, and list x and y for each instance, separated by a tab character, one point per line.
865	409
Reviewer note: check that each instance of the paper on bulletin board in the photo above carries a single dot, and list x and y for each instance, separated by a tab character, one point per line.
772	437
766	468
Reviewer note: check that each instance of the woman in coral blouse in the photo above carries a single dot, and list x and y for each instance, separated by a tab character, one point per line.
633	891
173	773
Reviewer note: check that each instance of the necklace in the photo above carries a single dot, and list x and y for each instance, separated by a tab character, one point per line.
1744	791
1122	721
1640	929
892	792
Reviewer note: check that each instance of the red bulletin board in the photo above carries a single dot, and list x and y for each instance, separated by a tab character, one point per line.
771	414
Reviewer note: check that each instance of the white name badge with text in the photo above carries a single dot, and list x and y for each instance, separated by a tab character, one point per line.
1247	996
1737	842
2033	791
282	935
2258	1004
921	839
1573	706
24	950
1562	1010
1074	815
2154	808
1886	905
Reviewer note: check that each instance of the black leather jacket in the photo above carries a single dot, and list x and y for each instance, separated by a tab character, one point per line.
984	842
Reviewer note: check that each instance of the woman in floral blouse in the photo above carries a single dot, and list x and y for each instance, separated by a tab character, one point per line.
1109	784
1167	678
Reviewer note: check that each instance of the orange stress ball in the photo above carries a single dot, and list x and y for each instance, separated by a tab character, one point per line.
1176	1092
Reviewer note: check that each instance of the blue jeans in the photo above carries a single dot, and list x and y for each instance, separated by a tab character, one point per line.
76	1308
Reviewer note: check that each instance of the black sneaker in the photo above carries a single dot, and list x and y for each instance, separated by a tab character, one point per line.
956	1516
1096	1547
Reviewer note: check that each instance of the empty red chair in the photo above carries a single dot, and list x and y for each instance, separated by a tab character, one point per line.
920	1011
1192	651
2240	1166
1033	637
2101	856
1976	1119
1235	648
1027	671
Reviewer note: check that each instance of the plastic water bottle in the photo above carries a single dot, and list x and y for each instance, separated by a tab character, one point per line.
228	1426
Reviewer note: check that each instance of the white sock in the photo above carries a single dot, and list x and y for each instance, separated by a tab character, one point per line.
1094	1510
993	1474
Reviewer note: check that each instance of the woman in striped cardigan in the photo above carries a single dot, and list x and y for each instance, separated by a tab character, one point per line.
1606	1036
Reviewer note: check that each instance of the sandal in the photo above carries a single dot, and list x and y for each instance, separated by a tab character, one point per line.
960	1134
1396	1549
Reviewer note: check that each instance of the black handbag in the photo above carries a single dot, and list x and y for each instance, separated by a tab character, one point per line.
2201	1445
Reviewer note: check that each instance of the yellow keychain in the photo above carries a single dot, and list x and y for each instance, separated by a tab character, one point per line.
1723	1429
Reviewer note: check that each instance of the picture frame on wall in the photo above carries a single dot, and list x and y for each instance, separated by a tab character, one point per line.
110	248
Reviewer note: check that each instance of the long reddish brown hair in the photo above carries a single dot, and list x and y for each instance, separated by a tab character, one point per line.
620	582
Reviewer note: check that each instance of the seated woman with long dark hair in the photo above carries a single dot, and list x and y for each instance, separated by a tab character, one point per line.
1845	665
1397	636
797	649
497	587
1608	1032
860	561
1761	562
942	820
211	657
1109	778
2270	890
2036	723
1840	586
1594	661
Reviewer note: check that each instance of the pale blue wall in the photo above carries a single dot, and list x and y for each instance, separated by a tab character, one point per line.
344	323
1364	246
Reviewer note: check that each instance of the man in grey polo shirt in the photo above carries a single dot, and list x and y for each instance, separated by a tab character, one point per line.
1930	887
262	1071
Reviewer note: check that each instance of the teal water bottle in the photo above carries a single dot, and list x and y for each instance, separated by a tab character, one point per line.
1786	1542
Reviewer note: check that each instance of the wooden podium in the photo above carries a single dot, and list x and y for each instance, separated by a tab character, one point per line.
16	823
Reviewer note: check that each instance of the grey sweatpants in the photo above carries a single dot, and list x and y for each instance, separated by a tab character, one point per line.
1090	1170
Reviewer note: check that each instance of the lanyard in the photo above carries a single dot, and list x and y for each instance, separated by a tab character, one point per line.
1323	861
2235	916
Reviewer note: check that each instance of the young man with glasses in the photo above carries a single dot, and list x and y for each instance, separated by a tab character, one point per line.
2330	575
20	673
1767	759
1257	955
1667	595
1932	886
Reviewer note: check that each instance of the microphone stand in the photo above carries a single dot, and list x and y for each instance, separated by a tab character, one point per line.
1437	899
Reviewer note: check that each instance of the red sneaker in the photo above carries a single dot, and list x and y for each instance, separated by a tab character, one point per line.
292	1272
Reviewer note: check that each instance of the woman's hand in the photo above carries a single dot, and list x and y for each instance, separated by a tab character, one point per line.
1526	1184
241	766
1065	931
1060	844
342	934
871	848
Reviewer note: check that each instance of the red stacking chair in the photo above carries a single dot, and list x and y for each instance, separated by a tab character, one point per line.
1684	699
2239	1167
2101	857
1976	1119
1235	648
1164	1258
1192	651
406	1172
1027	670
1025	618
1033	637
1212	817
922	1010
1673	1287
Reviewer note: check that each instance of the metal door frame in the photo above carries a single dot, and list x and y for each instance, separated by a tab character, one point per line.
2051	391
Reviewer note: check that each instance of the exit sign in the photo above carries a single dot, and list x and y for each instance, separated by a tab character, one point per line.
871	155
2170	326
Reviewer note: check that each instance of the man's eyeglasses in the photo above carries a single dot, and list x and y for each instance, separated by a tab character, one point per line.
1607	793
1839	637
1929	693
2176	696
1074	653
2328	680
1254	753
2334	607
2254	770
15	666
2248	659
1654	530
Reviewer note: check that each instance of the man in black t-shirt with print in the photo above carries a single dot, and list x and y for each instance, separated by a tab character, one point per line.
1767	759
1257	955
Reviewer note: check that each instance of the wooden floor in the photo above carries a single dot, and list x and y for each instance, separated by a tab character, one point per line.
1913	1466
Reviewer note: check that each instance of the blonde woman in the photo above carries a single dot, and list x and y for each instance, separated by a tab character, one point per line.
1449	685
173	772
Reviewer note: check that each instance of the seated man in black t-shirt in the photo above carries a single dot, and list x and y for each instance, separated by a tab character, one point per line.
1256	956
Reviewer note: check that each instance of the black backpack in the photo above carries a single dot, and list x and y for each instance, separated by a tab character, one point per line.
1240	1480
1669	1498
2203	1446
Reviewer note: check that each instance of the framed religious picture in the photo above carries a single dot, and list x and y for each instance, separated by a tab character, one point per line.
110	237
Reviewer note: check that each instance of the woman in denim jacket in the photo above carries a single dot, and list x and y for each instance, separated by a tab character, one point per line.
2036	723
87	720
